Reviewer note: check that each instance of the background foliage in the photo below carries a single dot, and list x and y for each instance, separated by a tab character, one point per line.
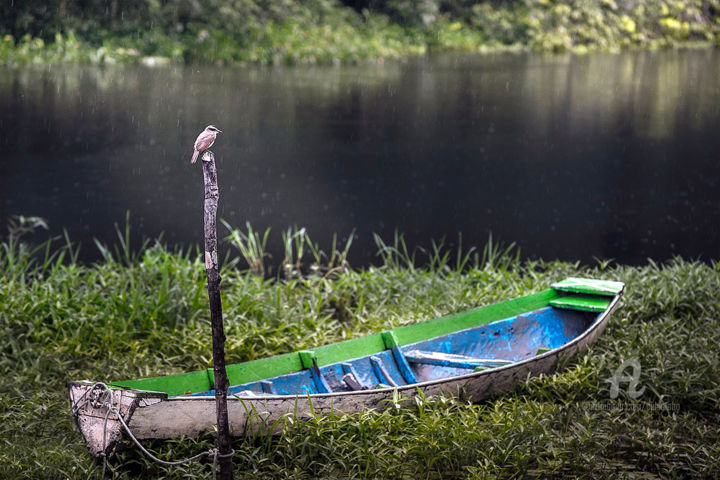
309	31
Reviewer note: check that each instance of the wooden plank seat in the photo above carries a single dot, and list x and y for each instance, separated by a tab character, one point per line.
308	358
392	344
452	360
381	372
351	377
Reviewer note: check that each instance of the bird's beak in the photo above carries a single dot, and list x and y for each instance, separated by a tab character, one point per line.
219	131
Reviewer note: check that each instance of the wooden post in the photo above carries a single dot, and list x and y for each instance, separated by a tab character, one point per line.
218	335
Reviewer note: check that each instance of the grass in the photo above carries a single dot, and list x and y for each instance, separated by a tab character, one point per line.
61	320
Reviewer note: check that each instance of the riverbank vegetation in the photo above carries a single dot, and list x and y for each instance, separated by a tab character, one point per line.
143	312
331	31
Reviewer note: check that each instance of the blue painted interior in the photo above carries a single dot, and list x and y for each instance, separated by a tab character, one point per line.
513	339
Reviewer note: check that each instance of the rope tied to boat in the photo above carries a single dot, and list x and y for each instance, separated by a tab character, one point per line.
101	396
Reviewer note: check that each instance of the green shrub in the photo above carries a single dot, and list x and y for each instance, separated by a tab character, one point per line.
326	31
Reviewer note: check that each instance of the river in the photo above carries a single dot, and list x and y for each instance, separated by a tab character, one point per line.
570	157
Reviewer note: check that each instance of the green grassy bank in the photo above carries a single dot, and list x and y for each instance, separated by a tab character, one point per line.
331	31
145	314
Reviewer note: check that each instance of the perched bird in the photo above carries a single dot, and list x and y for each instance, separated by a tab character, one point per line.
204	141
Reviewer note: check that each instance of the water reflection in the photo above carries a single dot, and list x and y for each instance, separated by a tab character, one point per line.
572	157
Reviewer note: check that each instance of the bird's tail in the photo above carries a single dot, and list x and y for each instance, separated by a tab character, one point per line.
194	157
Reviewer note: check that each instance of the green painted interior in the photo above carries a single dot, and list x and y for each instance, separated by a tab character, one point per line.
389	339
171	384
358	347
590	286
587	303
306	358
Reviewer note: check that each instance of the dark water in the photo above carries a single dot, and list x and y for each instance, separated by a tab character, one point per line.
609	156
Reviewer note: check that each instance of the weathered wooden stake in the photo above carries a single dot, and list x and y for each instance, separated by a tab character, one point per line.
218	335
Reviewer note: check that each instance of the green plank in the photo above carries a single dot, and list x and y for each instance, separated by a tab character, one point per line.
589	286
263	368
171	384
586	303
354	348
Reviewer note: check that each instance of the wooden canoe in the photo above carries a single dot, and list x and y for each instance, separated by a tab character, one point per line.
472	354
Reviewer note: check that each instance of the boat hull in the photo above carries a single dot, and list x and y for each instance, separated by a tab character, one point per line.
156	415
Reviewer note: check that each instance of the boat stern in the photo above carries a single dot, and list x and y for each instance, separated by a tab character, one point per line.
97	409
